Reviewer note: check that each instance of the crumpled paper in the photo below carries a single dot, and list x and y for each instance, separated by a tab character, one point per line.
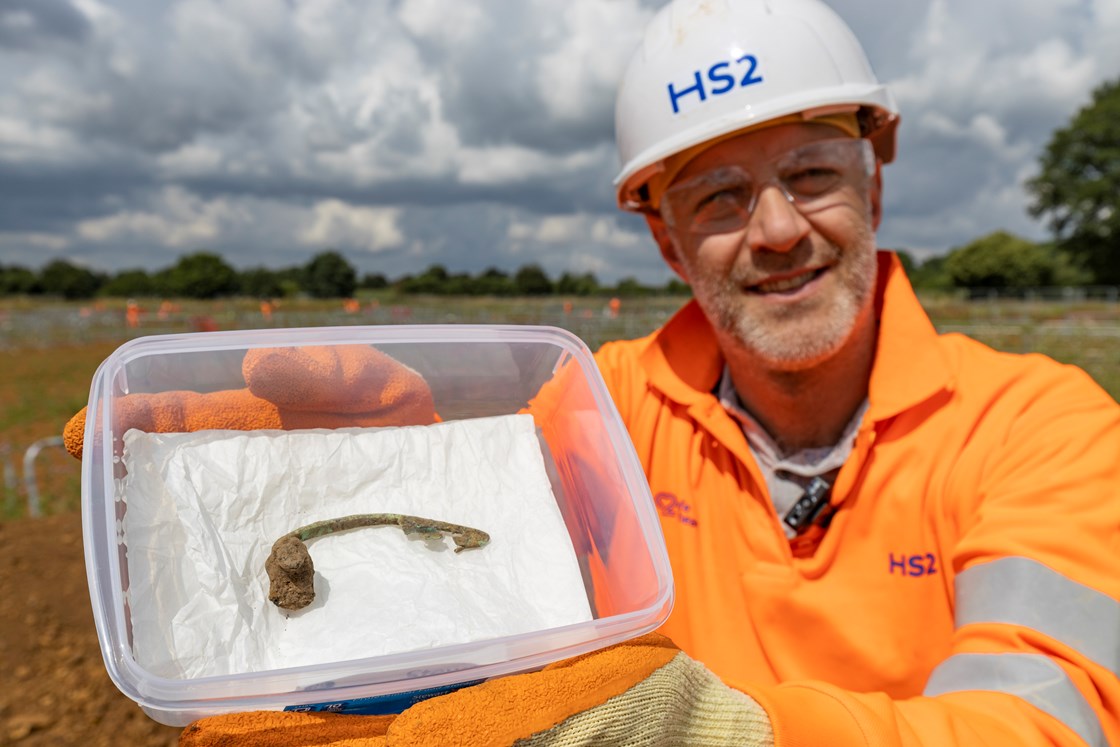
203	510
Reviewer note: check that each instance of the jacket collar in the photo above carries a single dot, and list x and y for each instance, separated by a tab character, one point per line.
684	362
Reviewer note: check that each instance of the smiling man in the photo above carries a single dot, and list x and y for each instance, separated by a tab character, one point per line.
879	535
893	536
806	283
774	230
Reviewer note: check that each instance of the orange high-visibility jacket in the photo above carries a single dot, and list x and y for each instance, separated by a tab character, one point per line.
966	591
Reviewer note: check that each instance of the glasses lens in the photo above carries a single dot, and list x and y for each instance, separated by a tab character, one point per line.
812	177
814	173
713	202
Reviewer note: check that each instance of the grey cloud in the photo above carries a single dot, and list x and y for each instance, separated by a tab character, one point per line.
1002	27
275	106
541	197
944	192
885	31
27	24
53	199
942	174
492	92
333	128
161	79
471	238
464	237
395	124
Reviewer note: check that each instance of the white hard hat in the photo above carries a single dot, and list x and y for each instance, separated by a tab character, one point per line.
707	68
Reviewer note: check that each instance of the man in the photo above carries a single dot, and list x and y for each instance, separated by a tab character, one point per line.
963	572
882	535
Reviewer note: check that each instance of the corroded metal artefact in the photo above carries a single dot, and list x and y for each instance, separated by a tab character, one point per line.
290	570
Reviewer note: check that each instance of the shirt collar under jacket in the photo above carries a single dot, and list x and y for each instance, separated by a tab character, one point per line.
809	462
684	361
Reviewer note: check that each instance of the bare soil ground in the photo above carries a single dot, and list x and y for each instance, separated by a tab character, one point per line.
55	689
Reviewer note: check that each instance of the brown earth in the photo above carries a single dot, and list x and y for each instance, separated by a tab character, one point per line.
55	688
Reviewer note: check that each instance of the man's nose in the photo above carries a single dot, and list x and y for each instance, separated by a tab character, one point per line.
776	224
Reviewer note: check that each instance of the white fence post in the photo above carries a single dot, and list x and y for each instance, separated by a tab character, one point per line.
11	481
32	485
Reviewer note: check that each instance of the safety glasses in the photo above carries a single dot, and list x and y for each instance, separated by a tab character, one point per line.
812	177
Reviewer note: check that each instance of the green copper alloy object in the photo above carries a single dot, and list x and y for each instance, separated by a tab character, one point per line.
291	572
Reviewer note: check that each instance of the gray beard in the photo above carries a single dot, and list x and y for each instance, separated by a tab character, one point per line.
771	340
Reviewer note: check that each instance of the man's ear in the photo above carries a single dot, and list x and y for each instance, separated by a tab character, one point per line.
665	243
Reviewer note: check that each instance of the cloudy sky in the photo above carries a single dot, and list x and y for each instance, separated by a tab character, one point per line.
471	133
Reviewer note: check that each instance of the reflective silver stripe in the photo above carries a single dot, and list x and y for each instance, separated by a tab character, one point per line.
1021	591
1032	677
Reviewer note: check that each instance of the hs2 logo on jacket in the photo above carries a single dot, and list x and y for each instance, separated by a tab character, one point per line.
918	564
672	507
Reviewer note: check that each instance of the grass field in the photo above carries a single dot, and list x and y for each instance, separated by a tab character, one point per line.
49	350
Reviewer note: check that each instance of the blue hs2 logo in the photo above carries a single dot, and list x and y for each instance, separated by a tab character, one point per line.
719	79
921	564
672	507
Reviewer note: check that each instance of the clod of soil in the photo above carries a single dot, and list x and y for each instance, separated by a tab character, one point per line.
291	574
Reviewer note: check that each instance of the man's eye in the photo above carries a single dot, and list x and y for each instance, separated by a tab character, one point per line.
813	180
727	198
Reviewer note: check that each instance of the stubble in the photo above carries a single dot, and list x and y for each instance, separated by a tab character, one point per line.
791	336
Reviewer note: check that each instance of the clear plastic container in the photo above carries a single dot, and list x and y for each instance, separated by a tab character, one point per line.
473	372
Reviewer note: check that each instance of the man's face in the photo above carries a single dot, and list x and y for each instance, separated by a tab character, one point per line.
793	285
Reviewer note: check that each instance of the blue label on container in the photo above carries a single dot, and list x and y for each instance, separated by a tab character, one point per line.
381	704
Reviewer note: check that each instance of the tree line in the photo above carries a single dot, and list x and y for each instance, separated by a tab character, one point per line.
206	275
998	261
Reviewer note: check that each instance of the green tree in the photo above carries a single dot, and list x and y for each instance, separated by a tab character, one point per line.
492	282
129	283
1003	260
909	264
677	287
16	280
459	284
630	287
199	275
1078	186
431	282
373	281
931	275
571	284
260	282
530	280
291	281
329	275
61	278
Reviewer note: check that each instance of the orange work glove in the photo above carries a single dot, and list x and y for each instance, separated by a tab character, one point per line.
308	387
642	692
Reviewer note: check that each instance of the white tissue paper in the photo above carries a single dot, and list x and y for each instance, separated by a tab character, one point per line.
203	510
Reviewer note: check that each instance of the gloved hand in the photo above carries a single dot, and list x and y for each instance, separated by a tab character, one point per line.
643	692
308	387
